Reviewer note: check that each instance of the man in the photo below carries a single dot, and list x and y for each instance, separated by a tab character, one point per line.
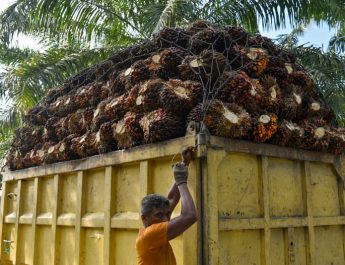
152	244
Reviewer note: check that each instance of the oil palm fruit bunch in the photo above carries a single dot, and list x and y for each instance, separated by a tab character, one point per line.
245	91
249	89
318	108
238	35
116	108
253	60
127	132
37	116
315	137
222	119
180	97
26	138
271	98
287	134
164	64
169	37
197	26
292	107
104	140
159	125
148	97
99	115
207	66
265	126
210	38
336	141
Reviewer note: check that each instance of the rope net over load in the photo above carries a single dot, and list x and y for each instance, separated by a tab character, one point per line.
233	83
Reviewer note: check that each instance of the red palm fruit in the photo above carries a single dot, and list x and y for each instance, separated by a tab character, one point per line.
49	132
210	38
171	37
291	107
259	41
131	98
26	138
288	133
104	139
336	141
127	131
16	160
318	109
281	74
60	151
246	96
238	35
253	60
197	26
222	119
34	158
37	116
117	82
116	108
180	97
86	120
148	97
74	122
304	80
159	125
91	95
85	145
164	64
265	126
61	128
271	98
99	115
208	66
315	138
52	95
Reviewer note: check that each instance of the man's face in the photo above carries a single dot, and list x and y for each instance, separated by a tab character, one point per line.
158	215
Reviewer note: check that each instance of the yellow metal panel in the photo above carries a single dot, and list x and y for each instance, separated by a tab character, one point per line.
94	190
25	246
238	185
67	202
160	175
65	245
27	197
240	247
329	245
9	231
11	202
44	240
126	197
285	188
123	247
92	245
46	195
177	246
288	250
324	187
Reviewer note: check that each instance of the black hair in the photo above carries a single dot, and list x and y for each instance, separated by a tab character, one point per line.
151	201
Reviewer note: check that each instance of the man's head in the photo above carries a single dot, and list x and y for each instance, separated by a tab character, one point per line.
154	209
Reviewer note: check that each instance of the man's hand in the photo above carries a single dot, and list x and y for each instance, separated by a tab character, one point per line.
180	173
187	154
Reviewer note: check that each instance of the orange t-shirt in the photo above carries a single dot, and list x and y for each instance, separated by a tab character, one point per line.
153	247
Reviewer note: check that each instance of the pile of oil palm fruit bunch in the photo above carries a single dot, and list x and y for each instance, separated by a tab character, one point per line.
233	83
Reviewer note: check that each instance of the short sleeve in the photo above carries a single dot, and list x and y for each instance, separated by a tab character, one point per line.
156	235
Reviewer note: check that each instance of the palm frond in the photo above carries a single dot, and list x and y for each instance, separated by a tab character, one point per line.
169	13
337	44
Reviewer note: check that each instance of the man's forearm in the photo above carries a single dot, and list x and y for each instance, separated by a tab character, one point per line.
173	196
188	207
